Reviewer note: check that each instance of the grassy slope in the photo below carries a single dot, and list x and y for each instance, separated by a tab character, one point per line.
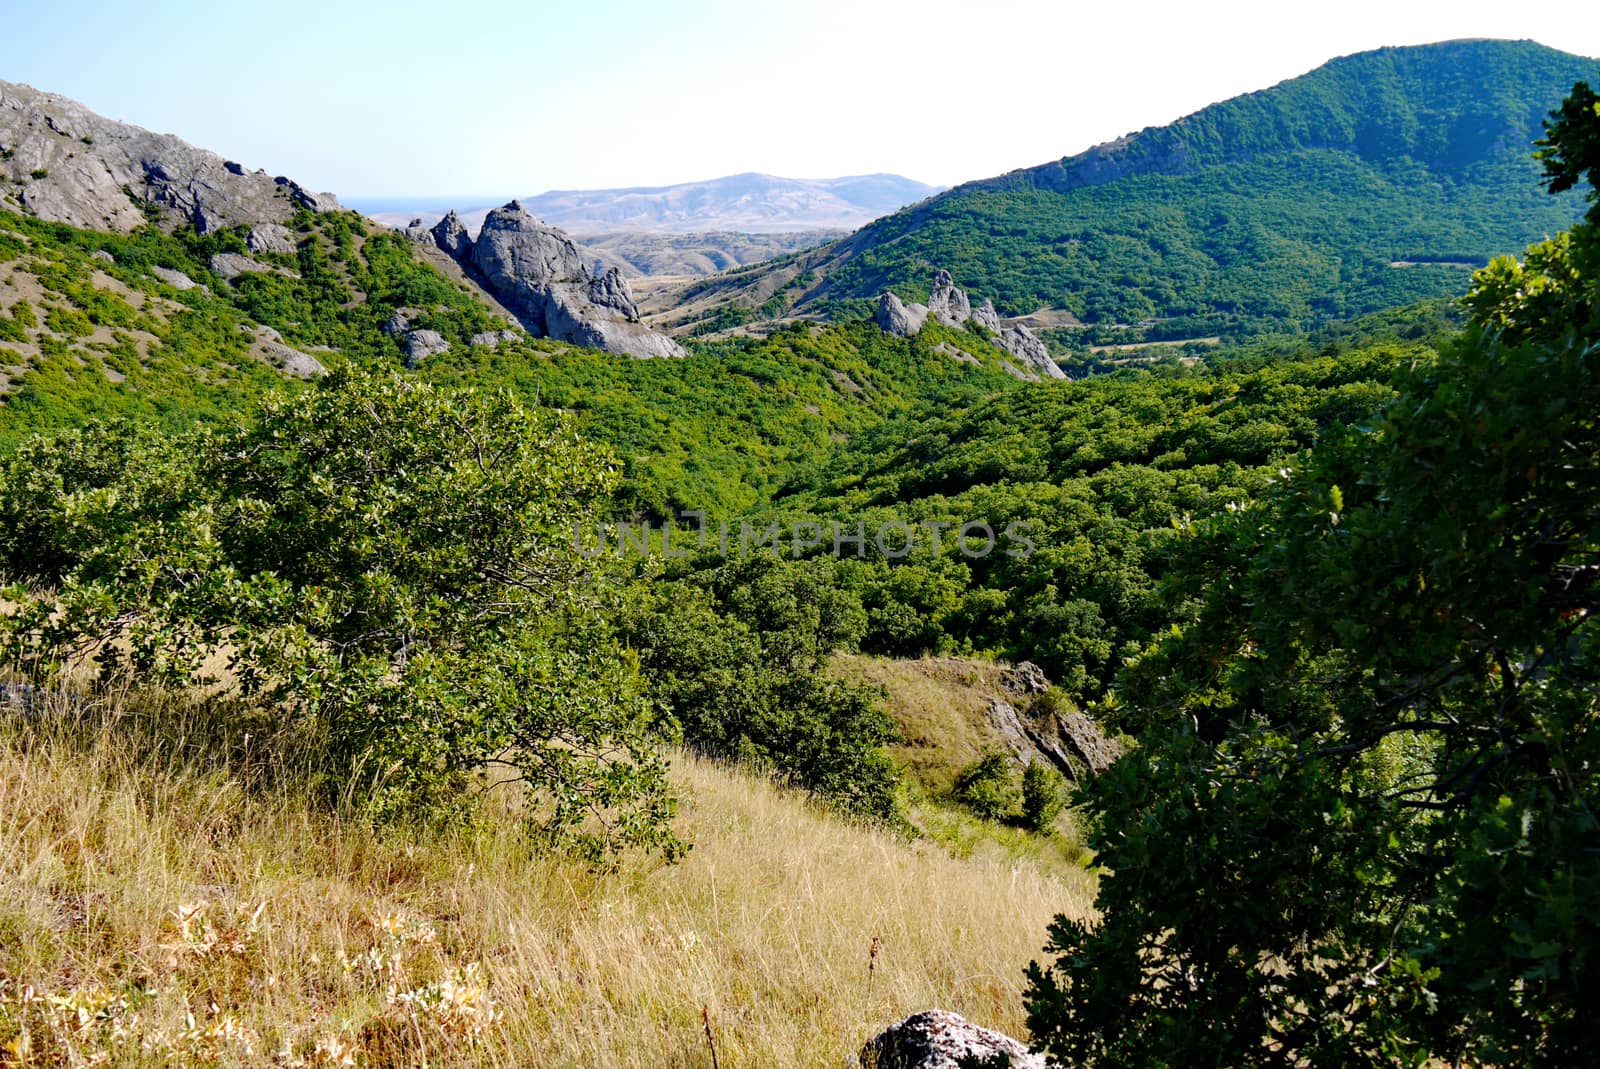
768	924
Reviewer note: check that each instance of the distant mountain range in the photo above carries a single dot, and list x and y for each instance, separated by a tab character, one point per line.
1364	184
741	203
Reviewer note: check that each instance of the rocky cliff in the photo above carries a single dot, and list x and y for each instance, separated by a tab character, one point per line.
63	163
951	306
541	276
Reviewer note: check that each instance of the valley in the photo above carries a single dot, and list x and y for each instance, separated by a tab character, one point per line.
1143	603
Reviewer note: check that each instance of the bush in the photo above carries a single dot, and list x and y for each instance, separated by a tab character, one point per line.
386	564
1044	796
988	787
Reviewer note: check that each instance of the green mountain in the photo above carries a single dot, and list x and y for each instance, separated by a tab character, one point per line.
1370	182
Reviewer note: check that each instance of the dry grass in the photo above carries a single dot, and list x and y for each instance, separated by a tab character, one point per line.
175	916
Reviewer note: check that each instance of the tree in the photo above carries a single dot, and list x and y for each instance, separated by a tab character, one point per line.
1360	827
390	563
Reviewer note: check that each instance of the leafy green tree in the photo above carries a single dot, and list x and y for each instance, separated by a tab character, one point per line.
1360	825
389	563
1044	796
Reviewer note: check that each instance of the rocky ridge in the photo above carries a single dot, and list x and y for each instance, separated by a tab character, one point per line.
547	282
65	164
951	306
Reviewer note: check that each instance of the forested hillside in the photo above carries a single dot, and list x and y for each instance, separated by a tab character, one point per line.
1290	206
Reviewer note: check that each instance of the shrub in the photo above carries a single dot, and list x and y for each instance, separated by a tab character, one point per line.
987	786
1043	797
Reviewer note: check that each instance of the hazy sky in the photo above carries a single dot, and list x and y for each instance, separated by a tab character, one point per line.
488	97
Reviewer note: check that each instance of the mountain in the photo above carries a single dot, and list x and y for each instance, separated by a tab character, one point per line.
63	163
743	203
1370	182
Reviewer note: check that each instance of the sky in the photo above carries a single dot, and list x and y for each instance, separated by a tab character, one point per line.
475	99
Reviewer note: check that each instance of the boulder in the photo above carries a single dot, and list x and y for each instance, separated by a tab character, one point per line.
271	237
897	318
104	257
421	344
948	304
176	279
1025	678
400	320
493	339
939	1039
230	265
987	318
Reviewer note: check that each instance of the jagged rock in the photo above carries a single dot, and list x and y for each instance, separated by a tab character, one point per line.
104	257
1023	344
948	304
538	272
399	322
271	237
493	339
939	1039
987	318
293	361
897	318
101	174
421	344
230	265
1026	678
176	279
450	234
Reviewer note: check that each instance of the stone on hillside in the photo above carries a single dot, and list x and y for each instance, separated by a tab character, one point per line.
230	265
493	339
176	279
1026	678
421	344
400	320
104	257
897	318
987	318
939	1039
948	304
271	237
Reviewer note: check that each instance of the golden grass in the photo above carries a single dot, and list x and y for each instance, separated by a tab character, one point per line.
272	933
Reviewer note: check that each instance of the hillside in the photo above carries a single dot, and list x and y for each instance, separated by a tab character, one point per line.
1370	182
141	884
744	203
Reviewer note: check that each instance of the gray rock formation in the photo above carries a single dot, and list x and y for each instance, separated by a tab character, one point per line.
399	322
174	278
539	274
1023	344
421	344
987	318
104	257
948	304
271	237
898	318
1034	730
451	235
230	265
939	1039
285	358
493	339
101	175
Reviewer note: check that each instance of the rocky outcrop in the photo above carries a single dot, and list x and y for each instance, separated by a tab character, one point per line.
493	339
898	318
948	304
291	361
540	274
1031	729
103	175
1030	352
987	318
174	278
939	1039
421	344
230	265
271	237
